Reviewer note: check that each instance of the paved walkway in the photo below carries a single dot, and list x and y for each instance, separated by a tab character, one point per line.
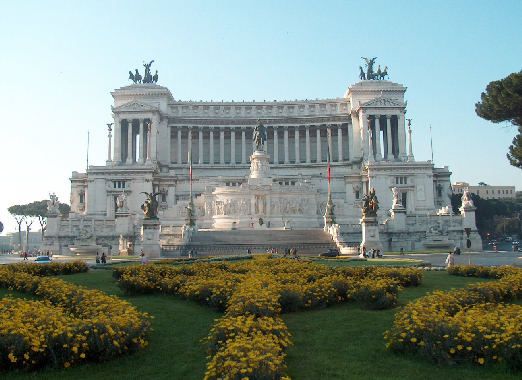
487	258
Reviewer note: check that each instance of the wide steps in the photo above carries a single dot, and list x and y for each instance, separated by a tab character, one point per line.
307	242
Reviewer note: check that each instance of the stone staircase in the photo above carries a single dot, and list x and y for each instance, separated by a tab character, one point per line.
235	242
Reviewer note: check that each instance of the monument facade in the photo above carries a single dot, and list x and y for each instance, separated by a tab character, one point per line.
258	161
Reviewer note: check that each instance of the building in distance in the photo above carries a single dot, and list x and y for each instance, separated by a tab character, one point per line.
485	191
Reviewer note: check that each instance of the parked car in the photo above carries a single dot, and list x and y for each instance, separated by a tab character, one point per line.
43	260
332	252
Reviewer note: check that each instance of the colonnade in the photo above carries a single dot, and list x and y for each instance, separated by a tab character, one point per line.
132	141
385	137
287	144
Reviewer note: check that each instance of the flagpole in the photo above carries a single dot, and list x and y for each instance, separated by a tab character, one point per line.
431	145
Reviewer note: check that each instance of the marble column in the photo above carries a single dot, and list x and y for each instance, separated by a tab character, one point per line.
149	142
190	154
233	146
389	144
329	141
180	159
142	142
318	144
296	144
211	146
285	135
221	145
365	134
243	145
339	143
276	146
109	150
129	141
307	138
369	139
200	145
401	134
410	144
351	146
117	140
377	128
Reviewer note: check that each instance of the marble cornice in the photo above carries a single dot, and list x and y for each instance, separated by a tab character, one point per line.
180	121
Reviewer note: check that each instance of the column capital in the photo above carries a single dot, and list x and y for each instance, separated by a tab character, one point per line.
243	128
388	117
307	127
285	127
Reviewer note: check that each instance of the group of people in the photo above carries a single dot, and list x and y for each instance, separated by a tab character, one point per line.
102	259
371	253
291	252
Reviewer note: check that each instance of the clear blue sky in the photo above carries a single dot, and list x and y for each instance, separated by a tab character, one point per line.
60	60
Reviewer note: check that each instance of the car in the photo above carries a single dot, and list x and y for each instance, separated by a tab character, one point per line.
332	252
43	260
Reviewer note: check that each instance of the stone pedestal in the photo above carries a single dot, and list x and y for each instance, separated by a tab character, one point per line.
470	232
370	233
398	218
124	228
150	238
259	169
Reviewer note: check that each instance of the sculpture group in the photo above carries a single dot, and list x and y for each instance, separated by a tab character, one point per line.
150	206
370	74
370	204
147	78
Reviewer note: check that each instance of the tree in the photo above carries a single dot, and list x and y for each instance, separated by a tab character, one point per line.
502	101
36	209
18	213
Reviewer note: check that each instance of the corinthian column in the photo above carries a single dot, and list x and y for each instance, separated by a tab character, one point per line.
109	150
142	143
276	146
180	158
200	145
285	135
401	136
233	146
318	143
243	145
117	140
129	141
307	138
149	133
389	144
296	143
329	141
211	146
378	154
221	145
339	143
189	143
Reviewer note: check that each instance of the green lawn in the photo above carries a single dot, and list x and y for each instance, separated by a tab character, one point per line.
341	342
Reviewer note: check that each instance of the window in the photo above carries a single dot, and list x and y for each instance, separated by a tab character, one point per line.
118	184
82	197
357	194
401	180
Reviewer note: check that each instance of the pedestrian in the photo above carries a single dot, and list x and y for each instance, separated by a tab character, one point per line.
249	252
25	255
103	258
97	257
456	251
402	251
142	255
372	253
379	254
450	260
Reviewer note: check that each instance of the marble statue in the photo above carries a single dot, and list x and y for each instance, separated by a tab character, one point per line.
466	199
121	201
53	204
396	197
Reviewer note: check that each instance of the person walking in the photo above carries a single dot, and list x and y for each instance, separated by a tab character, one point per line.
97	257
142	256
103	258
450	260
25	255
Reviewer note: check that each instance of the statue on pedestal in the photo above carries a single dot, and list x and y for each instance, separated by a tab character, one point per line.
370	204
259	136
53	205
150	206
121	201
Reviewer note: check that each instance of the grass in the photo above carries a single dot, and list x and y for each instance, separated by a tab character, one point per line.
341	342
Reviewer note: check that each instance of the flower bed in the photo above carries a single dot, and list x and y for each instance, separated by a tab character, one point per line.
69	326
250	339
468	324
50	269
